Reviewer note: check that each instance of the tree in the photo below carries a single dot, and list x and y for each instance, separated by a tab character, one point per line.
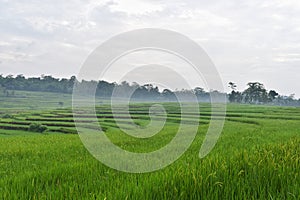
168	95
232	86
255	93
234	96
272	94
199	91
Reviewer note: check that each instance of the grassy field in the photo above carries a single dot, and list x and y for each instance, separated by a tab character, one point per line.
256	157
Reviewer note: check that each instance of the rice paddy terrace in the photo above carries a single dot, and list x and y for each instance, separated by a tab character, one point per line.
256	157
62	121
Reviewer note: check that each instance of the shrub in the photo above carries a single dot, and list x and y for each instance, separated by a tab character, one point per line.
7	116
35	127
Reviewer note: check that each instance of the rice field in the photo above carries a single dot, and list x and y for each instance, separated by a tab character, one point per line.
256	157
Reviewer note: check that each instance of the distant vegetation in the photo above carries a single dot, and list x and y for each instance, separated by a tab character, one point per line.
257	94
41	84
254	94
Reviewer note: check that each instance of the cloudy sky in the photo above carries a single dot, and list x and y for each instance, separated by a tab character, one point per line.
257	40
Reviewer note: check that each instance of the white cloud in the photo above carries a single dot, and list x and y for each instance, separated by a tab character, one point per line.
290	57
136	7
246	39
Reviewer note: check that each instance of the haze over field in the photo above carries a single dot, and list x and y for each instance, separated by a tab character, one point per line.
247	40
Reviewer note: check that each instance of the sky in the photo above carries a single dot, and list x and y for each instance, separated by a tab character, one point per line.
257	40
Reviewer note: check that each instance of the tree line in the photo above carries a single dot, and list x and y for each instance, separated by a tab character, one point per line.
254	94
8	84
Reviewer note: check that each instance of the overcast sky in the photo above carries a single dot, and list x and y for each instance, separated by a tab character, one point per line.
257	40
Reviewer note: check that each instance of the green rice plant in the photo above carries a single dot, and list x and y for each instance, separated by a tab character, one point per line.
256	157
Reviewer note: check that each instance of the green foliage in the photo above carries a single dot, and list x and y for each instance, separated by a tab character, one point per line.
272	94
104	89
256	157
7	116
257	94
235	96
35	127
254	94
